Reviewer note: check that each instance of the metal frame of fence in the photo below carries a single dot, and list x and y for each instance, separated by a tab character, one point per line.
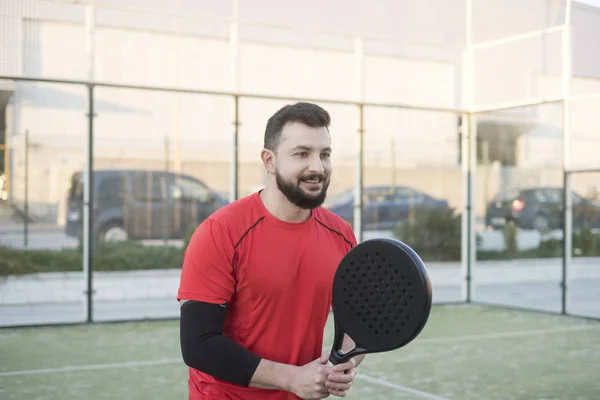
88	201
468	142
568	235
468	165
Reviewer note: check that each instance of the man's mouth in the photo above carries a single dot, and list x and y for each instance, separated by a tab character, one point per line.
314	180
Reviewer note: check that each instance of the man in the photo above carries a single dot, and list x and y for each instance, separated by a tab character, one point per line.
256	280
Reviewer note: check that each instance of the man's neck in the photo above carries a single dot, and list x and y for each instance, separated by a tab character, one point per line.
281	208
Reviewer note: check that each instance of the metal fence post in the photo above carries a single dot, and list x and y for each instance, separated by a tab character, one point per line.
165	195
566	64
567	237
234	184
472	185
26	201
466	167
88	208
358	185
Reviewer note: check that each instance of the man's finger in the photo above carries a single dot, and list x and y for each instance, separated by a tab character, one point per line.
345	366
338	393
341	378
338	386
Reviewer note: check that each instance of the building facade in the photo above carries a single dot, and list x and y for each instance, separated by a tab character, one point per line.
385	52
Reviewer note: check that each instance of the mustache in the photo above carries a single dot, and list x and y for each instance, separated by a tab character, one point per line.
313	176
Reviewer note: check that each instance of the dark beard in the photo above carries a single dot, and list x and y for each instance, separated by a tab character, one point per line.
297	196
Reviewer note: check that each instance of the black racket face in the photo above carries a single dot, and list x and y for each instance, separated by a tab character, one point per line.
381	295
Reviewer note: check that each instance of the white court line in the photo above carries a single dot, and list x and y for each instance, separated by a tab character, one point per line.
77	368
360	376
383	382
448	339
501	335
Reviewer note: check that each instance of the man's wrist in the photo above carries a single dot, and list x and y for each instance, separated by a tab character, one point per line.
289	378
273	375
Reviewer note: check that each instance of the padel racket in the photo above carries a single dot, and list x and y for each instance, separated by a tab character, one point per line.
381	298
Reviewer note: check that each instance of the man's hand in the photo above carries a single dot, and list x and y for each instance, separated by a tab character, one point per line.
341	379
309	380
342	376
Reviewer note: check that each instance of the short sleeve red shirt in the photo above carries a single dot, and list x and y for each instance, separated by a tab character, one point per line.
276	278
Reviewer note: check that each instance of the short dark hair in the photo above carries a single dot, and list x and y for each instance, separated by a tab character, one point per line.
307	113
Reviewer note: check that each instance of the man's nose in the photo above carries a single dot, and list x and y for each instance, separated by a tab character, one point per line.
316	164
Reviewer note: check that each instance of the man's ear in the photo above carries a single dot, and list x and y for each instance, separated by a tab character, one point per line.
268	159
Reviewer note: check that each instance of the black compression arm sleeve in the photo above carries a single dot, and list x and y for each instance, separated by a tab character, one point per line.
204	347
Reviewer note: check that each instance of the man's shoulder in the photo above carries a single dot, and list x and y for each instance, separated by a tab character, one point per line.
236	217
231	211
334	223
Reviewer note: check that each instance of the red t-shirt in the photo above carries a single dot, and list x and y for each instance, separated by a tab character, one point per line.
276	277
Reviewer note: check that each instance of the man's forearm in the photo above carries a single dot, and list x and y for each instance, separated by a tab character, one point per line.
205	348
272	375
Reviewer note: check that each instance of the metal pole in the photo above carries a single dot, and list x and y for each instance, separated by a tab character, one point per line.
229	94
485	160
165	194
511	105
359	58
466	165
393	156
88	192
234	42
567	198
466	191
88	208
472	129
358	185
177	117
234	192
567	241
26	204
516	38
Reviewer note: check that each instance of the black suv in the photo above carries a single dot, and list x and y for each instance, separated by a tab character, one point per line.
140	204
540	208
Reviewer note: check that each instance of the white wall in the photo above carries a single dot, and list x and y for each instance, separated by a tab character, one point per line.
57	111
133	124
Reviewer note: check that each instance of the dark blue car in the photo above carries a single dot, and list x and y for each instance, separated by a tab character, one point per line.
384	206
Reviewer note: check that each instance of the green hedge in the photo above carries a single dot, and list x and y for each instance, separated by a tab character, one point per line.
107	257
436	236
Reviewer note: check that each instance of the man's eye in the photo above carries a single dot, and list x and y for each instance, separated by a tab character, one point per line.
302	154
326	155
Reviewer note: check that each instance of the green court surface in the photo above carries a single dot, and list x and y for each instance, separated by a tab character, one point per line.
465	352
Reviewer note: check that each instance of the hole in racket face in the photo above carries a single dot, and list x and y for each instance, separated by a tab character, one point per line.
381	296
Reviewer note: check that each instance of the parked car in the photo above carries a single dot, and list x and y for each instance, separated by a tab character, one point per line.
540	208
384	206
140	204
